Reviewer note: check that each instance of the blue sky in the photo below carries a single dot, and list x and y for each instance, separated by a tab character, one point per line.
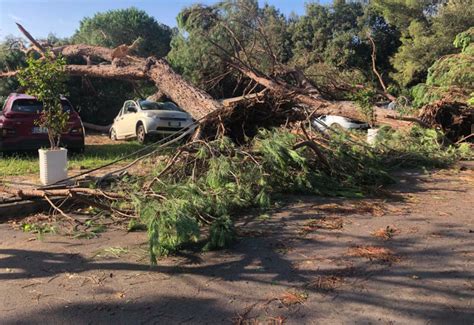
62	17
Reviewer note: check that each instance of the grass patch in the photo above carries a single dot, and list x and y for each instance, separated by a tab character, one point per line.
111	252
13	164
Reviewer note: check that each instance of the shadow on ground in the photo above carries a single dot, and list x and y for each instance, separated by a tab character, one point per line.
428	279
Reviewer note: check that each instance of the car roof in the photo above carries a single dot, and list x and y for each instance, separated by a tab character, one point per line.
26	96
22	96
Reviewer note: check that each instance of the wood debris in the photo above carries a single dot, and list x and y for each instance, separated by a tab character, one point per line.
374	253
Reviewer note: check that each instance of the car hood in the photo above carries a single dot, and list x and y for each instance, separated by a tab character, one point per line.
167	114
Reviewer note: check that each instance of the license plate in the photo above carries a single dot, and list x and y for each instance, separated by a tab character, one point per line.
174	124
39	130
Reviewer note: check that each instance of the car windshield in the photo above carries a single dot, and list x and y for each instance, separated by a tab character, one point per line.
162	106
34	106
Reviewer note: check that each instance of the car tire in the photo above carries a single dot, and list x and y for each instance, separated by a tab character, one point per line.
142	137
113	135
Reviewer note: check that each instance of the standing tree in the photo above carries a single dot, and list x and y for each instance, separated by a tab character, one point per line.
124	26
428	28
45	79
98	99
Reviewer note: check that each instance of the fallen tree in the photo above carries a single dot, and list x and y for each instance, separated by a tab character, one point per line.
117	63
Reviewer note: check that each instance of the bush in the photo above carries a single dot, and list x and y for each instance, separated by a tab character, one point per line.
45	79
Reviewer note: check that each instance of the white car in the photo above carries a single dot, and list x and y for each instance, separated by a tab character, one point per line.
338	122
142	119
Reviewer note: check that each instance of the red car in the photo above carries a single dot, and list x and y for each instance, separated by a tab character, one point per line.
18	130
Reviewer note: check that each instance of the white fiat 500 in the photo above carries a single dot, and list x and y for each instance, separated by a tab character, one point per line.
143	119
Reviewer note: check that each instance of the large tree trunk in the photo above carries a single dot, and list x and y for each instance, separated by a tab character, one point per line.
195	101
322	106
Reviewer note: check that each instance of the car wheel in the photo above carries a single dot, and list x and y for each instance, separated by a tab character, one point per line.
141	134
113	135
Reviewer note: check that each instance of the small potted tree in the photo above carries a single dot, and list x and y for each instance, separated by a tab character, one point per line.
365	99
45	79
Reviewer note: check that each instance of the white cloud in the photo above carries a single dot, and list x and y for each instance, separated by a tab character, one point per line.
14	17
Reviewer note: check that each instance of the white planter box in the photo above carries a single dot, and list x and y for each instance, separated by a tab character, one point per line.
371	135
53	165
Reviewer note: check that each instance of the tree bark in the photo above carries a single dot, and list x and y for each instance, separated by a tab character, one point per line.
322	106
195	101
107	71
192	99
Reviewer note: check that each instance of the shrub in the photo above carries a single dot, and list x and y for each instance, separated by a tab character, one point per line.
45	79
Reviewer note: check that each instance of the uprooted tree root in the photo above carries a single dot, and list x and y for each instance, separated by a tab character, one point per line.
455	119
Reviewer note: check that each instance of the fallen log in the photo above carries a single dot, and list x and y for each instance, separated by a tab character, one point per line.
35	193
83	195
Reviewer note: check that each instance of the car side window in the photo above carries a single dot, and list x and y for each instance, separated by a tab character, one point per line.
125	108
132	108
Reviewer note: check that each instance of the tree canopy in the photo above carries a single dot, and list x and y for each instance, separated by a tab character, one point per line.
427	29
124	26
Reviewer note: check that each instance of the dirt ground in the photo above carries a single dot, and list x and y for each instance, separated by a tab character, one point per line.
406	260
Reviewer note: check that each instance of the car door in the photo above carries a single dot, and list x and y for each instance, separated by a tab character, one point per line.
131	118
120	122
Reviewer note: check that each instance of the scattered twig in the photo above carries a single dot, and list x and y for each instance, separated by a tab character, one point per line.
61	211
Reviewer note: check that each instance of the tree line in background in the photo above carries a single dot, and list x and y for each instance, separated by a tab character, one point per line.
423	49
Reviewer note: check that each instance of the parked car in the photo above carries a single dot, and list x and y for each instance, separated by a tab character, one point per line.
142	119
18	130
335	121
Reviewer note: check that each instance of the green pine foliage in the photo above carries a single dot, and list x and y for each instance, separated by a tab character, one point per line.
217	180
450	76
221	233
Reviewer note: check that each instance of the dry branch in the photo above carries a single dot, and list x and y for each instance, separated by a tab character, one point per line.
374	68
35	193
35	43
